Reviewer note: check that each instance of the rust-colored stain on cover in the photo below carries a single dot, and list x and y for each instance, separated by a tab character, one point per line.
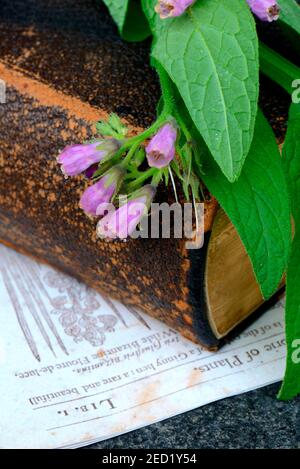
48	96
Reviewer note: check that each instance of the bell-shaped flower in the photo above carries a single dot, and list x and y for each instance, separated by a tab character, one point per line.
78	158
122	222
102	191
161	149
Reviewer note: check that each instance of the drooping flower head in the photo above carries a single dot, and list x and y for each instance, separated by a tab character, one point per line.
102	191
266	10
77	158
172	8
121	223
161	149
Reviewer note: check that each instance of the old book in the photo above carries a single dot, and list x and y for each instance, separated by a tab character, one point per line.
65	67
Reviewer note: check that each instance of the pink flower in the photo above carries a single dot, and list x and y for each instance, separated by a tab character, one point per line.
121	223
161	148
77	158
102	191
171	8
266	10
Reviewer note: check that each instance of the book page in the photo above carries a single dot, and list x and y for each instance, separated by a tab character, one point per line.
77	368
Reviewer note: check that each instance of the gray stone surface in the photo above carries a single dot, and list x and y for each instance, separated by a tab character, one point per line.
253	420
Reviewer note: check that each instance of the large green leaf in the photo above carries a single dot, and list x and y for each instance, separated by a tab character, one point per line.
258	206
290	13
130	19
118	10
291	384
291	161
149	10
211	54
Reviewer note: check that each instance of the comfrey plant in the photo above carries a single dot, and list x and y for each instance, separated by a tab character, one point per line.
210	133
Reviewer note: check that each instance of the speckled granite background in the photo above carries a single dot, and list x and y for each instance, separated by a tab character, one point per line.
253	420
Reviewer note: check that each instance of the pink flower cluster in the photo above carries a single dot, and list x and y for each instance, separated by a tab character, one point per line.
97	199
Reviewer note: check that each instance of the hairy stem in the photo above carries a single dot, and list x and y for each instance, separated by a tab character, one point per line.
136	184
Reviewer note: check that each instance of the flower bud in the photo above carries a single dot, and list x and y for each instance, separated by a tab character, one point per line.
77	158
121	223
102	191
161	148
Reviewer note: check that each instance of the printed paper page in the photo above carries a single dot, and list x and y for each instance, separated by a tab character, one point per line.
78	368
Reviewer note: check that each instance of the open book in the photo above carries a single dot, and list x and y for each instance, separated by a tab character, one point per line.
77	368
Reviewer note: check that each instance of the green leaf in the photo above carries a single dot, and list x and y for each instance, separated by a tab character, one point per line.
291	383
118	10
290	13
276	67
291	161
258	206
211	54
130	19
149	10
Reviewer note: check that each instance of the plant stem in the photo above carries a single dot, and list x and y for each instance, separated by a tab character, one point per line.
277	68
146	175
166	87
157	176
182	125
129	155
170	95
142	136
